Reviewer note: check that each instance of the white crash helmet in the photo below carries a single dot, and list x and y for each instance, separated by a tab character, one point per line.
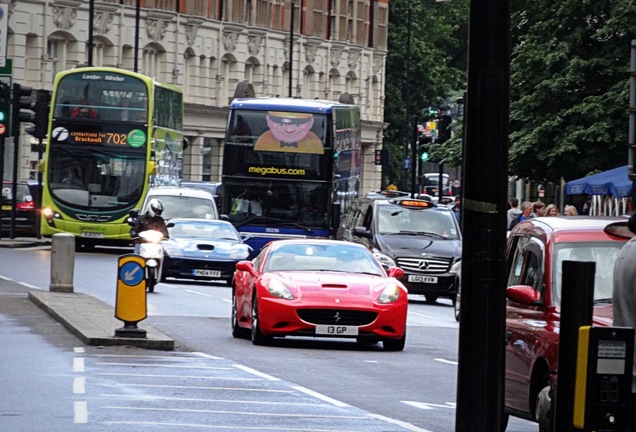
155	207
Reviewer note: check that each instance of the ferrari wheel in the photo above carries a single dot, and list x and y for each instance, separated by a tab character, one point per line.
237	331
258	338
394	344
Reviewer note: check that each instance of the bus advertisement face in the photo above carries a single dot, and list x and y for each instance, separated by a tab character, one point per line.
256	145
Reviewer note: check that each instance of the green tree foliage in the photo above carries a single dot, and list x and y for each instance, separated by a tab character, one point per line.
436	65
569	86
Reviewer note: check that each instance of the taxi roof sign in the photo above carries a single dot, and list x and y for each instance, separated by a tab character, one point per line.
413	203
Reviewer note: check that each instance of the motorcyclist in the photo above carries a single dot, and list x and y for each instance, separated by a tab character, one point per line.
151	220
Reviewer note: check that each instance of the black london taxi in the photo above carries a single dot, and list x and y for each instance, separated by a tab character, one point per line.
414	234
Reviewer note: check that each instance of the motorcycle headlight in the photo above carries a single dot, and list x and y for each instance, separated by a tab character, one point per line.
172	250
385	260
278	289
389	294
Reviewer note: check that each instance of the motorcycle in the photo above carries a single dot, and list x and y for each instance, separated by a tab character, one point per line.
152	251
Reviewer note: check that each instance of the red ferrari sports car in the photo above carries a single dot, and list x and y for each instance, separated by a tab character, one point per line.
318	288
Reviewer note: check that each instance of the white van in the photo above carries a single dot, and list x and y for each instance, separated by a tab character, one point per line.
183	202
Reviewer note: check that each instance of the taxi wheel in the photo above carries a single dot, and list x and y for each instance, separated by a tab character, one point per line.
258	338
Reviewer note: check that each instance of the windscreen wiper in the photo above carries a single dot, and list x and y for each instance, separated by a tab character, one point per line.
273	222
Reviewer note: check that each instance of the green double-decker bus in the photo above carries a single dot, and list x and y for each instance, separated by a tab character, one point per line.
112	134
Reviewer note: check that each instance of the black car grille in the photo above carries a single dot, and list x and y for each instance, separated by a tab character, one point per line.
434	265
208	265
337	316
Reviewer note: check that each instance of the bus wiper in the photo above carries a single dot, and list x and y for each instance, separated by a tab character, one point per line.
274	222
259	219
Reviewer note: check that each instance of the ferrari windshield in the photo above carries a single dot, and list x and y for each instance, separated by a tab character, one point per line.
323	257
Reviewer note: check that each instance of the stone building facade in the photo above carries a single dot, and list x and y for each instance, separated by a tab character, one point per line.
211	48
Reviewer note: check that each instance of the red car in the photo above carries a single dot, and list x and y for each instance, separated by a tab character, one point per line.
318	288
536	250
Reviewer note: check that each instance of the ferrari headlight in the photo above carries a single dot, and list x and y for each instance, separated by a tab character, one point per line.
385	260
278	289
172	250
389	294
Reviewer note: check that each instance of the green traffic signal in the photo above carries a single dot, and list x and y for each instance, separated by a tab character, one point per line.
424	156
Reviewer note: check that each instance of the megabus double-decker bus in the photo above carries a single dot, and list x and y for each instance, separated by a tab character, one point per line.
291	167
112	133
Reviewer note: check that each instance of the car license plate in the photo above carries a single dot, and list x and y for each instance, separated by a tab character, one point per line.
92	235
6	207
423	279
336	330
207	273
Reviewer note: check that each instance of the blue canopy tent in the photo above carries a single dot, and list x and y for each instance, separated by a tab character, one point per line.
609	190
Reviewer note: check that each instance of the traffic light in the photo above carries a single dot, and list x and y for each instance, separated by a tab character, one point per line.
41	120
444	128
425	143
424	156
5	108
21	102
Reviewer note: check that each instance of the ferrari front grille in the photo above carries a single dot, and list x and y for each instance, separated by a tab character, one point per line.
337	317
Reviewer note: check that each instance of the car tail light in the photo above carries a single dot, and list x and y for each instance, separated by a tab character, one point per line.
26	206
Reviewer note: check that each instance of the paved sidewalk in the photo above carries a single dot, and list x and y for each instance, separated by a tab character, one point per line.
93	321
20	242
90	319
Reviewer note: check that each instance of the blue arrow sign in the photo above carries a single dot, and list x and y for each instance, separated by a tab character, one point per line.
131	273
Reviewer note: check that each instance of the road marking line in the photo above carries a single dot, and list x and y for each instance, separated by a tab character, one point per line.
175	376
247	413
80	412
429	406
5	278
199	293
321	396
241	389
229	401
255	372
159	365
79	350
451	362
224	427
405	425
79	385
29	285
78	364
200	354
